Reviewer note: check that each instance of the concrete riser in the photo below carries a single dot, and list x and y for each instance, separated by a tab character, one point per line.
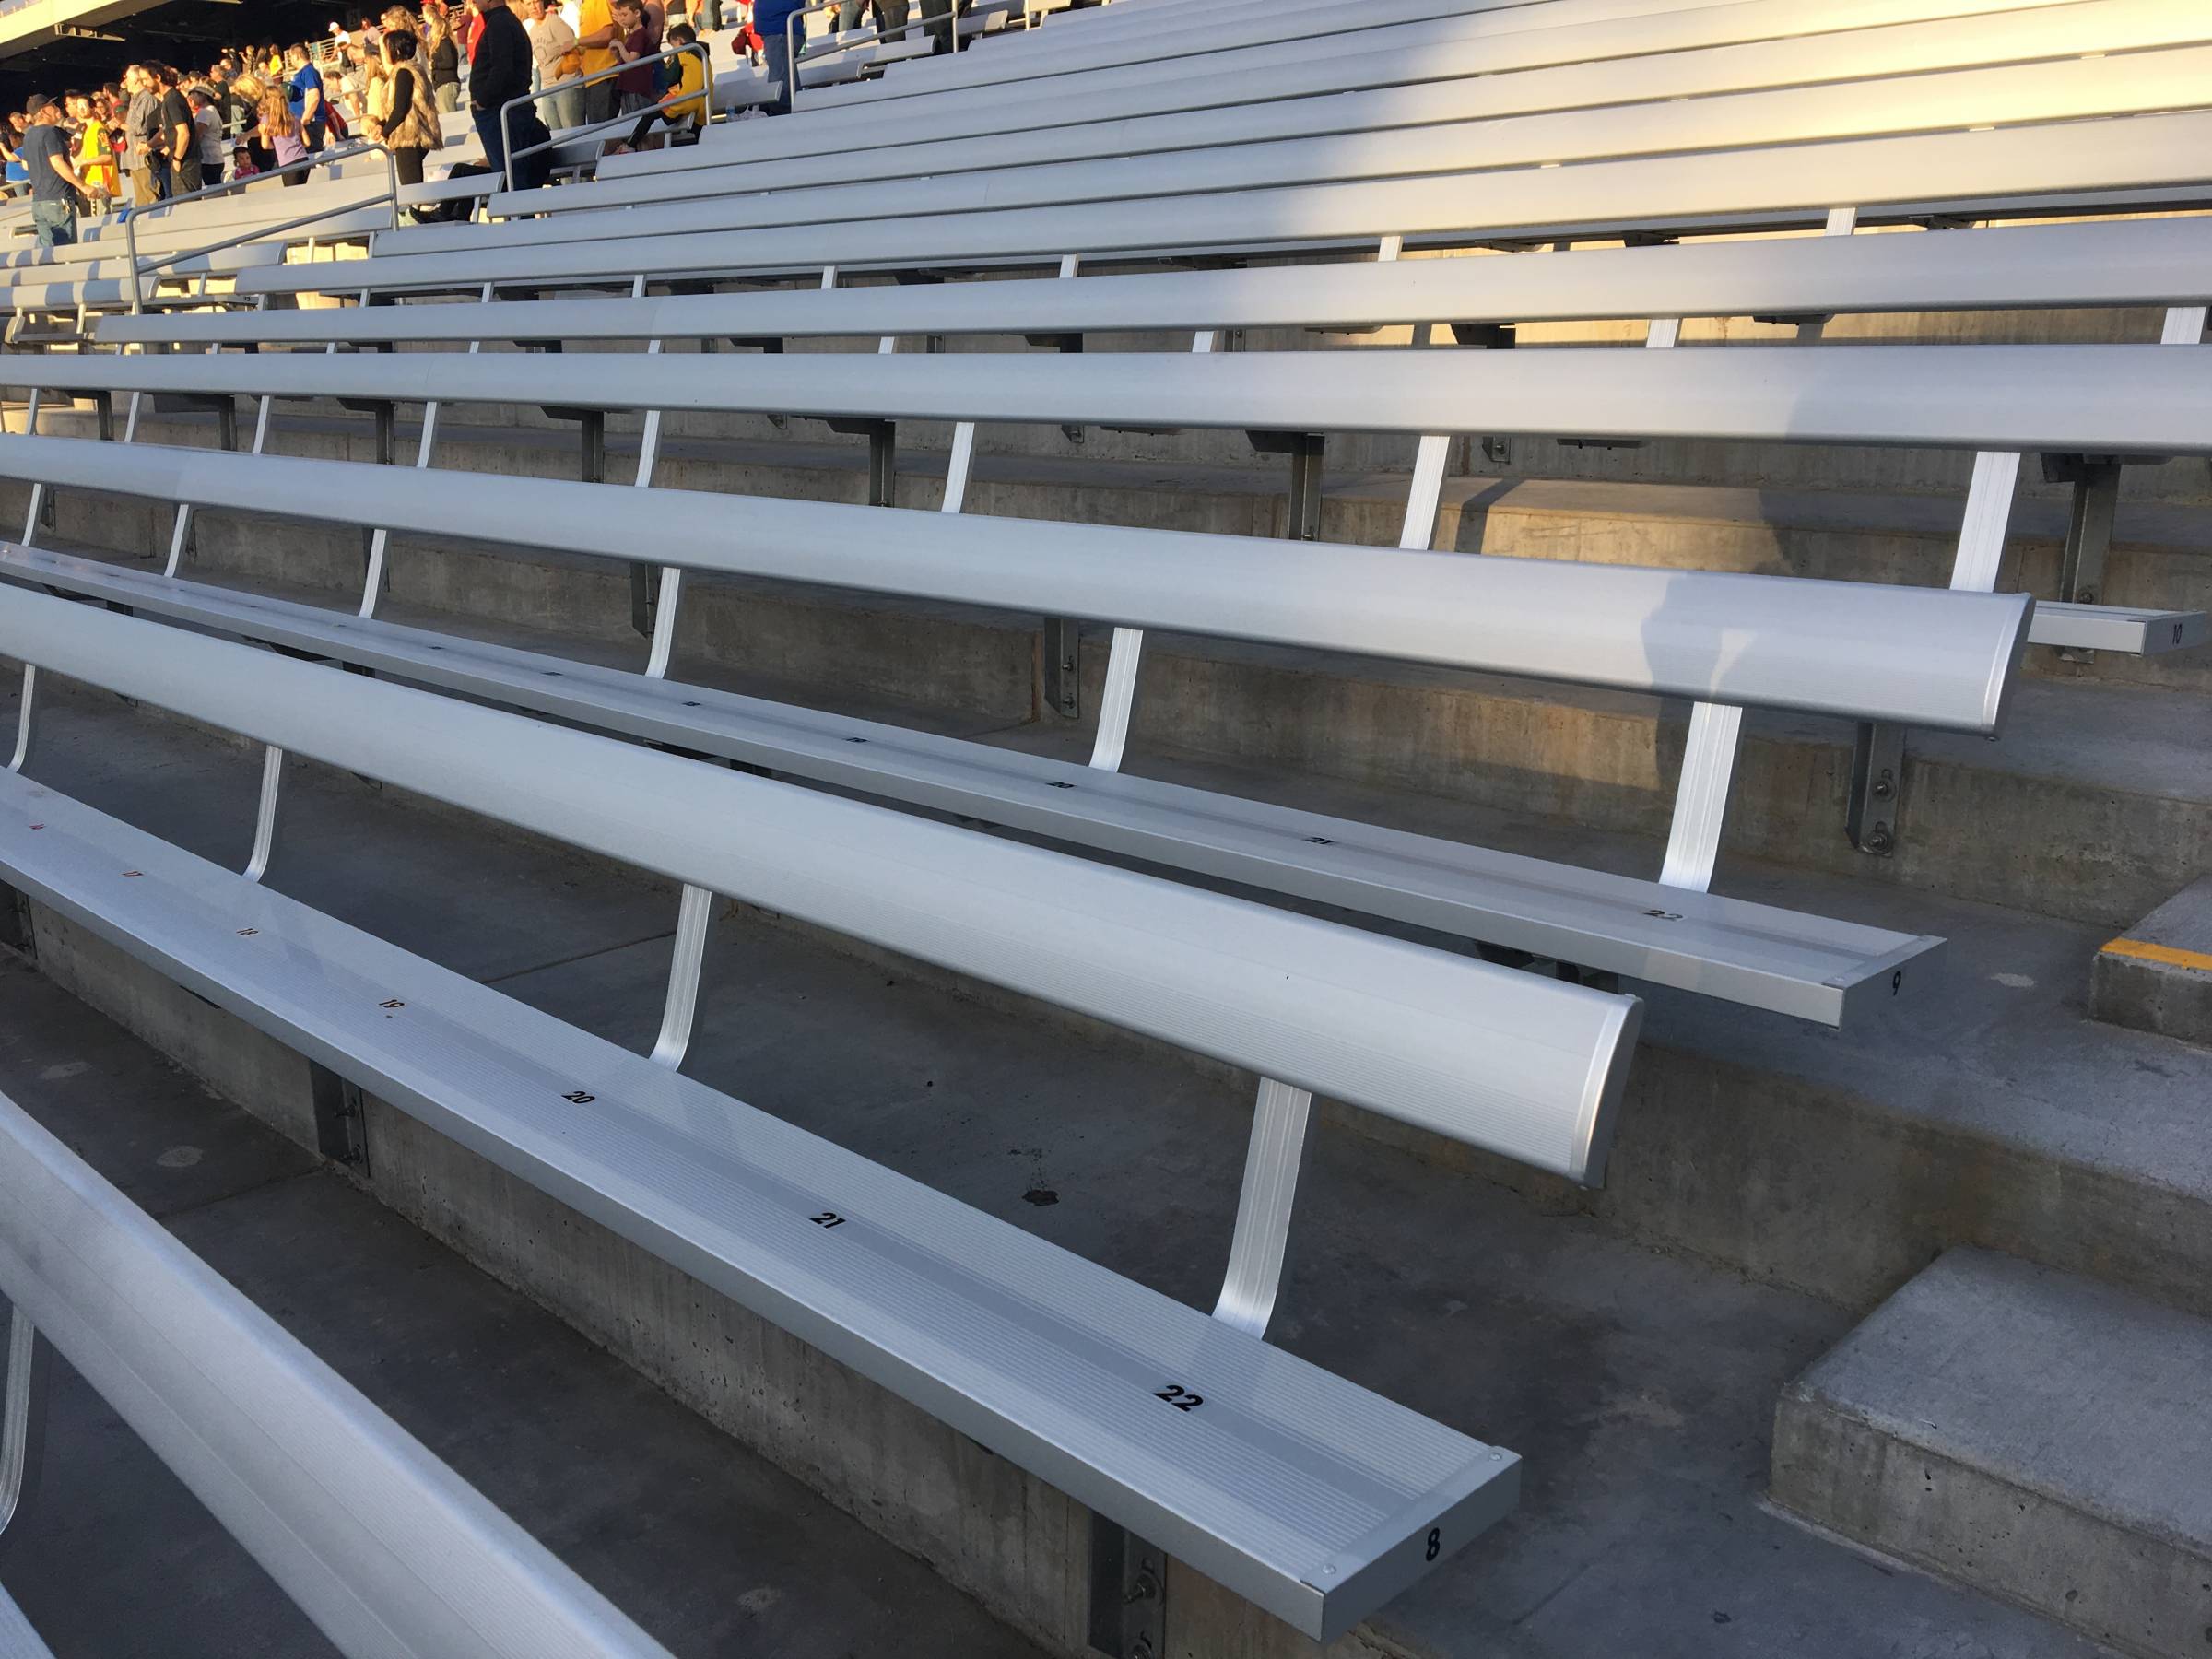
1606	764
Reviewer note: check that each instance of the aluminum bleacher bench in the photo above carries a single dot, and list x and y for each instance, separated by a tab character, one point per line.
1149	119
1641	630
1299	1490
1752	130
2011	170
386	1549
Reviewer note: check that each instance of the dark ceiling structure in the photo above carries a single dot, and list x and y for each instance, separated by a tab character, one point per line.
188	33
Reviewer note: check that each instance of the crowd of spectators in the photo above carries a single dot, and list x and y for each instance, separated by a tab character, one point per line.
163	132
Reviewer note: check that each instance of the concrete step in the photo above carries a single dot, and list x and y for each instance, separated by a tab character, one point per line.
2158	975
2039	1436
1638	1384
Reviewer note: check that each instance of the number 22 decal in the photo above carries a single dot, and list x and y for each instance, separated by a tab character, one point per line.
1181	1398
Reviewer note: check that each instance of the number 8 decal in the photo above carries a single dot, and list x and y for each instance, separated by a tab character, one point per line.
1436	1541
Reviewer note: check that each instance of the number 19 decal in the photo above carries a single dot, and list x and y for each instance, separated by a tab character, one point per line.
1181	1398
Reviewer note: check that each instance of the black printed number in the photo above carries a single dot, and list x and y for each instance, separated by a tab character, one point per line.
1181	1398
579	1097
1436	1541
828	1218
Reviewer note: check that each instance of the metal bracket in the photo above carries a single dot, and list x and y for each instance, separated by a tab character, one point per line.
1305	451
695	914
341	1123
1877	786
2096	481
1061	664
1128	1594
883	455
23	721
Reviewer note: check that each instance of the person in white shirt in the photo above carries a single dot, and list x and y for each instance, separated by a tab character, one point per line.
207	127
551	41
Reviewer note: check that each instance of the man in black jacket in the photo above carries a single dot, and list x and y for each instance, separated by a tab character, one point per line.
498	72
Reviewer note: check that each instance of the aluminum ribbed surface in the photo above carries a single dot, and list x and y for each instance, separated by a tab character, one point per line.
1811	966
1926	656
2160	150
1298	1489
18	1640
384	1548
1520	1066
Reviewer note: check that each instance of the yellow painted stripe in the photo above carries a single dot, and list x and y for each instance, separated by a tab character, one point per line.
2198	960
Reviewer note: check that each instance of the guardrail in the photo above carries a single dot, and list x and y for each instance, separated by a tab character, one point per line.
305	165
791	44
697	48
385	1548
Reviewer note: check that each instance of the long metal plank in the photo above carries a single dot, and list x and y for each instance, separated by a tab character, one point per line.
1498	43
2150	261
1527	1068
386	1549
1302	1491
1762	123
1798	64
2091	399
2145	150
1928	657
1757	955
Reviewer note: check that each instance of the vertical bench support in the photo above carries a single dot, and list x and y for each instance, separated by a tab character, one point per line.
23	719
38	490
265	813
1282	1130
22	1417
694	914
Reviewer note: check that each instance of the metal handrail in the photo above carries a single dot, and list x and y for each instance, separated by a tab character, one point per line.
706	65
305	164
791	45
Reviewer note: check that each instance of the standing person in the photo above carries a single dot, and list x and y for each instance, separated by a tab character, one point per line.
936	17
890	15
445	59
595	38
553	50
306	100
16	170
280	134
149	155
636	88
180	137
251	91
401	114
207	125
95	160
498	75
771	18
54	184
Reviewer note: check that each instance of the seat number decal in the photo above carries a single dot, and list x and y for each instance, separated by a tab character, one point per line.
1181	1398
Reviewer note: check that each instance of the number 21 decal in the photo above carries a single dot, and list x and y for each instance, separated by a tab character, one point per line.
1181	1398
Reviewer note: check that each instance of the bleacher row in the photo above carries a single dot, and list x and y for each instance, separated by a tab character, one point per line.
1237	172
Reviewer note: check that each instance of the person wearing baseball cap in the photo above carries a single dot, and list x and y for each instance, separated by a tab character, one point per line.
54	184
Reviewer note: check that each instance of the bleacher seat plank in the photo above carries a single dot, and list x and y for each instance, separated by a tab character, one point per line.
2150	262
1788	184
1760	956
753	197
1307	1494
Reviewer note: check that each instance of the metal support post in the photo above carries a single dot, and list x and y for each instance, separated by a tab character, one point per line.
38	489
1062	666
265	813
1693	842
23	719
883	455
1425	496
1282	1130
694	916
22	1417
2096	483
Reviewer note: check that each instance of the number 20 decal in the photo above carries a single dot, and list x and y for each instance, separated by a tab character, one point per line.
1181	1398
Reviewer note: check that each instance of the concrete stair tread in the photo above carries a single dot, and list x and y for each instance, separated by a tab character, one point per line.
1995	1419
